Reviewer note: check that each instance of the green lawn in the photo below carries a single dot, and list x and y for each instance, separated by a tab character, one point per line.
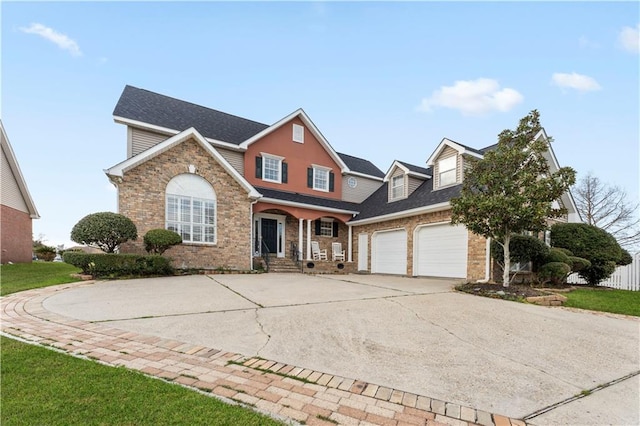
43	387
605	300
25	276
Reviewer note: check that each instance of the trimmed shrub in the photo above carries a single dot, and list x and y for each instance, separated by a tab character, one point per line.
105	230
110	265
554	272
578	263
46	253
157	241
557	255
626	259
591	243
522	248
564	250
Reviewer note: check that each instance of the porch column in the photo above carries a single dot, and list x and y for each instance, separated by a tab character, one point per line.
308	239
300	231
350	244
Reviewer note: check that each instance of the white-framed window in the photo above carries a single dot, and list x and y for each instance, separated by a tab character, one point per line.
447	170
397	187
191	209
326	228
271	168
298	133
321	178
520	267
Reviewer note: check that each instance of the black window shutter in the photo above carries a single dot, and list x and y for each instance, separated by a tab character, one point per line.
331	179
317	222
310	177
259	167
335	229
285	174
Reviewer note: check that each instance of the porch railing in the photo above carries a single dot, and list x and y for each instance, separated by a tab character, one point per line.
296	255
265	254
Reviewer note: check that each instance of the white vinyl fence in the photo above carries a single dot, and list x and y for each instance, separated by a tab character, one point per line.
623	278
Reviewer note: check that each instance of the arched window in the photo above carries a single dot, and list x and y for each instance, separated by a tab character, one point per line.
191	209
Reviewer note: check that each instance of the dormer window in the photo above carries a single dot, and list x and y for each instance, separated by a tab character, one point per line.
397	187
447	170
298	133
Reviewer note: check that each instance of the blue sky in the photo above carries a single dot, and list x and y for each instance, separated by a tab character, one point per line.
381	80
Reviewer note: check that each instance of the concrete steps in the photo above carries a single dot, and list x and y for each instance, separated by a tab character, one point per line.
283	265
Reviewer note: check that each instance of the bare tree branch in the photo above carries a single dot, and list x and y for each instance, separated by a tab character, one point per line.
607	207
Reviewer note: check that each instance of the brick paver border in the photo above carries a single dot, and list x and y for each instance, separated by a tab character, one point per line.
294	393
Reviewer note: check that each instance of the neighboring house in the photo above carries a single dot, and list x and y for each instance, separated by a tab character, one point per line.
235	189
18	209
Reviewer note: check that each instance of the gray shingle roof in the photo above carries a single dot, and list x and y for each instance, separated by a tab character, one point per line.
308	199
416	169
160	110
164	111
360	165
377	204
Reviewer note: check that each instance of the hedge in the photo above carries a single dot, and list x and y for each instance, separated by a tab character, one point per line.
110	265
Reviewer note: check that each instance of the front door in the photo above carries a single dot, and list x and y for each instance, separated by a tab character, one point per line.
269	232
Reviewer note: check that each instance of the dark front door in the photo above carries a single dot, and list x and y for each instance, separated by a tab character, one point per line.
269	230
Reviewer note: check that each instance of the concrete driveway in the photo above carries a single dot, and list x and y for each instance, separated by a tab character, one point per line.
413	334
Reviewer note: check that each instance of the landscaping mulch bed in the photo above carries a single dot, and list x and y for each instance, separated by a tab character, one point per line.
513	292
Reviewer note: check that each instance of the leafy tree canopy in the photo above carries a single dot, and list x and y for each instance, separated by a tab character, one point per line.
512	189
105	230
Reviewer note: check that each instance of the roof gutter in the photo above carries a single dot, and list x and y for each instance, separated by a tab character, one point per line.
172	132
306	206
402	214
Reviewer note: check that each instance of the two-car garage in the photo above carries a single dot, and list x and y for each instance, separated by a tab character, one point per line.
440	250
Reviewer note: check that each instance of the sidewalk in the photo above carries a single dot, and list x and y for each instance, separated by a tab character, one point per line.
285	391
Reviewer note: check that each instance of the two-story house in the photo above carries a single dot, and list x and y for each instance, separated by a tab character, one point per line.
234	188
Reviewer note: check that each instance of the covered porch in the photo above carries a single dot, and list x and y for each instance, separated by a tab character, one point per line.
282	231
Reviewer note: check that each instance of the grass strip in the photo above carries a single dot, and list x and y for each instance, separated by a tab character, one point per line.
25	276
41	386
605	300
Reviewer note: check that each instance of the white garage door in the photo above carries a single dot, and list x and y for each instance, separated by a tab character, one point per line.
442	251
389	252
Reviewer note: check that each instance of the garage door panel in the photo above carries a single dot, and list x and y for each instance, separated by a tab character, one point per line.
389	252
442	251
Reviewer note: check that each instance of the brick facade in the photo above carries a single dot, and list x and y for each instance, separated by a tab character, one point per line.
476	251
141	197
16	236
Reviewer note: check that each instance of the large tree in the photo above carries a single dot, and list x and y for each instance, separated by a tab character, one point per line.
512	189
607	207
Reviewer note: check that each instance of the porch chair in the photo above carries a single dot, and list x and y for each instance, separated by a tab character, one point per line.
317	253
336	252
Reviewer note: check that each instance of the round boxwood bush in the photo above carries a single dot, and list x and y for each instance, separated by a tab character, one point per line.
591	243
522	248
105	230
578	263
554	272
157	241
557	255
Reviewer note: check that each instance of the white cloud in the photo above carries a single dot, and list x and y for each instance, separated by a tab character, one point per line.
473	97
629	39
61	40
579	82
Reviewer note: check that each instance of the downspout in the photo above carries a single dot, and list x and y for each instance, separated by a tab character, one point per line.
251	233
487	266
